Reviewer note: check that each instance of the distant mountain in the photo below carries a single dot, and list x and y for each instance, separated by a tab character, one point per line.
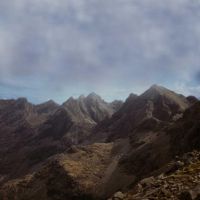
32	133
156	105
116	105
47	107
92	108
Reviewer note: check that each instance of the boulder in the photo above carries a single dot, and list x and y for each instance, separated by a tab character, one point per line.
118	196
147	181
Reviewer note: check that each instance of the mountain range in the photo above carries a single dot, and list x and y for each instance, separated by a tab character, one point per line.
87	148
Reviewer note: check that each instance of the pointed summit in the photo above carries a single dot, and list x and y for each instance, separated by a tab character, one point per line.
49	103
156	105
156	90
81	97
70	100
91	108
156	86
47	107
93	96
165	96
131	97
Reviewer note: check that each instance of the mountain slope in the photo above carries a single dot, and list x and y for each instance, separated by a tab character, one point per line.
158	147
32	133
157	105
76	175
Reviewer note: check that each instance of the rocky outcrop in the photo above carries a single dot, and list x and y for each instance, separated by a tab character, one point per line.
192	99
116	105
181	183
184	133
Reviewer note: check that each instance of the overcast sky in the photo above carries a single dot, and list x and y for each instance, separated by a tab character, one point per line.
53	49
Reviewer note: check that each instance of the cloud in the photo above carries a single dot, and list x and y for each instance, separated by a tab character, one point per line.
68	47
197	78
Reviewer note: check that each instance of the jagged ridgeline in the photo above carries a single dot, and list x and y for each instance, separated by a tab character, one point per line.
87	148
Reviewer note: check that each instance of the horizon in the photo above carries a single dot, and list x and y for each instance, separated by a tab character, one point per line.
86	95
54	50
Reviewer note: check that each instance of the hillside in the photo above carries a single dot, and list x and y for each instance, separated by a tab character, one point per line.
157	105
30	133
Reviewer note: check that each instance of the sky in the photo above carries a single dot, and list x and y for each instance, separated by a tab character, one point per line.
56	49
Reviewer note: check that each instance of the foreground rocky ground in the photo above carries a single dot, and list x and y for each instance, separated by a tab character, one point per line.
64	179
82	173
180	181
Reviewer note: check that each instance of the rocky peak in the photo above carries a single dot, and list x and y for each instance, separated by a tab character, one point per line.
71	99
81	97
165	97
116	104
21	102
51	102
93	97
157	102
48	103
156	90
92	108
192	99
131	98
47	107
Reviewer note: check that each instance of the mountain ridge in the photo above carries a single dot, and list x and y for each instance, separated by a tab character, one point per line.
94	146
157	103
